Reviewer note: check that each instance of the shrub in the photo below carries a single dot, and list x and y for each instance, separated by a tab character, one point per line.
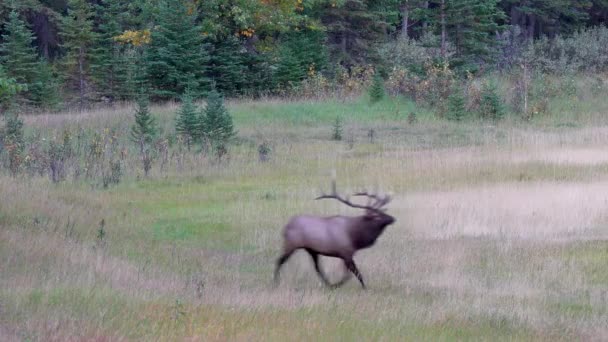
14	142
264	151
337	129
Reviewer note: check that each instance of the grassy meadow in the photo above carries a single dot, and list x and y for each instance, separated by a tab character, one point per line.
501	231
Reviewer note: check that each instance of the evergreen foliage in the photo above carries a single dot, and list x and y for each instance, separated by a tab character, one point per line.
44	92
8	89
79	41
176	58
491	105
188	122
143	132
17	54
111	67
337	129
376	91
456	106
227	66
145	128
217	125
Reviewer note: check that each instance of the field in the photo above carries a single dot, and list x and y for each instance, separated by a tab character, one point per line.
501	232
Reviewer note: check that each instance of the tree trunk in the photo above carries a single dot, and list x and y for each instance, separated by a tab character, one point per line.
425	24
443	31
405	15
81	82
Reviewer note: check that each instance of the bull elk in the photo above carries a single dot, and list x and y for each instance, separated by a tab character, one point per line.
336	236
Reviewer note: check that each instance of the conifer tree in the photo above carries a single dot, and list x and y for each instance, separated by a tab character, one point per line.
144	131
8	89
79	42
456	110
111	67
44	92
188	123
376	92
176	58
491	105
217	125
17	54
227	66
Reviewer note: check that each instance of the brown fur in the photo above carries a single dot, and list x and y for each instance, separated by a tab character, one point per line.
335	236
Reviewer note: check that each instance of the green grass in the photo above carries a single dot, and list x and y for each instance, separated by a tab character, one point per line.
497	238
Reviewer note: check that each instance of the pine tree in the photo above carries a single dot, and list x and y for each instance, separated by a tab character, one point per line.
144	131
8	89
227	66
17	53
79	42
216	121
491	105
177	58
376	92
44	92
456	110
111	67
188	123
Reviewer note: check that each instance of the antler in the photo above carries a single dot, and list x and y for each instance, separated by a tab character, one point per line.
379	201
376	206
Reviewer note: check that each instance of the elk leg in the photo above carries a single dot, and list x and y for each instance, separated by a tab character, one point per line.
315	259
345	278
280	262
350	264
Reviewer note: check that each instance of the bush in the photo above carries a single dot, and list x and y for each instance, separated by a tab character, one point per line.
337	129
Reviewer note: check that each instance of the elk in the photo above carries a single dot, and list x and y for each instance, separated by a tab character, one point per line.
336	236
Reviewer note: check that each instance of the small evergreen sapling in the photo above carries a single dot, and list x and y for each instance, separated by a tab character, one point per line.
456	106
376	92
337	129
491	105
216	123
188	123
143	132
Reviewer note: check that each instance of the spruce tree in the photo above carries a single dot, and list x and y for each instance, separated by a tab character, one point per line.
188	123
8	89
456	110
79	41
376	91
144	131
218	128
491	105
176	58
17	53
44	92
111	67
227	66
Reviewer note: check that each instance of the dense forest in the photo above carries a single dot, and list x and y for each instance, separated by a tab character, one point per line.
73	53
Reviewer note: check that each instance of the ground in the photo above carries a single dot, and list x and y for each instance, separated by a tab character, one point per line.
500	233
